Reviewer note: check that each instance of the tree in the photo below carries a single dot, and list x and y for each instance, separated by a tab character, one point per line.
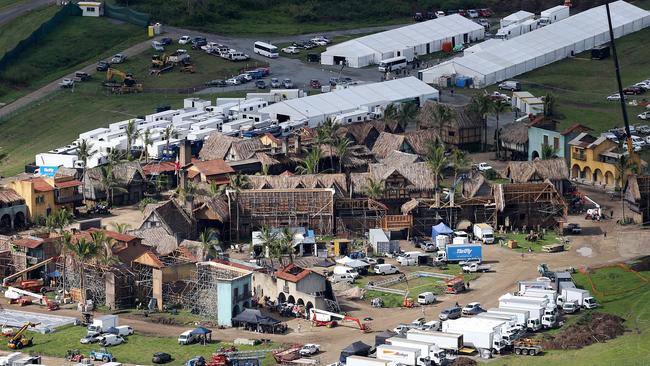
58	220
104	248
121	227
459	160
209	240
407	113
549	104
146	142
285	241
187	194
342	150
391	111
310	163
132	134
114	157
375	189
548	152
269	242
83	252
498	106
169	133
437	161
64	246
110	184
323	136
236	182
84	152
482	104
434	115
623	165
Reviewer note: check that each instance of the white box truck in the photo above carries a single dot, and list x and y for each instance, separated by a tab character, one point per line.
541	293
510	330
484	233
482	334
539	308
436	355
101	324
401	355
583	297
523	317
365	361
10	358
554	14
447	341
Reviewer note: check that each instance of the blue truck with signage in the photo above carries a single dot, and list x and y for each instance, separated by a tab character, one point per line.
464	252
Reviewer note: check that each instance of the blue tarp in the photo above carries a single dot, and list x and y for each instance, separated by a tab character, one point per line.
440	229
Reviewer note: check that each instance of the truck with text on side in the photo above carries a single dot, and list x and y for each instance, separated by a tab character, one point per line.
435	354
484	233
463	252
450	342
582	297
484	335
402	355
539	308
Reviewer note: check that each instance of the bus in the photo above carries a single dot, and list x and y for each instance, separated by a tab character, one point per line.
266	49
392	64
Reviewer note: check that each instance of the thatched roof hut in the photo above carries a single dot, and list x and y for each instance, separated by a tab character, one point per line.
220	146
336	181
536	170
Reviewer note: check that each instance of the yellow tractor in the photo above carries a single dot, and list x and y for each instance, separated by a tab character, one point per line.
126	82
18	341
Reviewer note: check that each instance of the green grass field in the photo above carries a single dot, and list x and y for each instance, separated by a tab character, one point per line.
137	350
629	349
207	68
74	44
52	123
20	28
536	246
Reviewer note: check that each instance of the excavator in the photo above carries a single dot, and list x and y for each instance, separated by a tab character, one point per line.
18	341
160	64
126	84
322	318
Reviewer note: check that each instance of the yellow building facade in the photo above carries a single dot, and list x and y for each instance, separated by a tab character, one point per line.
44	196
595	161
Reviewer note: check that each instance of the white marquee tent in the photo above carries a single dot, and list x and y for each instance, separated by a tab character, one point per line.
568	37
416	39
371	97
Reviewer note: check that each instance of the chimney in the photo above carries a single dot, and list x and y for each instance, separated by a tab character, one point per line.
296	144
185	153
285	145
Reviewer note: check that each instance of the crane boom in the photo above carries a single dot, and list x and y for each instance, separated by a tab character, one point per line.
7	280
324	316
22	331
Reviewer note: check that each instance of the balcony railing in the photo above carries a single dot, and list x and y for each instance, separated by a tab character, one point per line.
77	197
579	156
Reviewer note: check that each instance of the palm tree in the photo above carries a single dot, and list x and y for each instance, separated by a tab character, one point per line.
110	184
84	152
187	194
104	247
498	106
64	246
169	133
548	152
459	160
209	239
323	136
146	142
132	134
121	228
375	189
309	165
57	221
407	113
437	161
391	111
236	182
114	157
624	164
482	104
285	240
269	242
549	104
342	150
84	252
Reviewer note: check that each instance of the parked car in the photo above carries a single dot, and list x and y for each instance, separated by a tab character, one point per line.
260	84
198	42
118	58
291	50
102	66
472	308
184	40
485	12
233	81
615	97
644	115
161	357
510	85
370	261
66	83
245	77
450	313
484	22
314	83
208	47
287	83
166	41
110	340
275	83
309	349
643	85
216	82
157	46
574	228
440	14
472	13
90	339
633	90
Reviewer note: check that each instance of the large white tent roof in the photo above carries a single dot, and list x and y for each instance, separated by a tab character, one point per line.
409	36
343	100
583	26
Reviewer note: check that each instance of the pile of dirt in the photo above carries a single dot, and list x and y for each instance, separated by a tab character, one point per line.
641	265
464	361
163	320
591	328
353	292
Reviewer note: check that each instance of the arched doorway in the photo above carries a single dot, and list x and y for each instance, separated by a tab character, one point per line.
19	220
5	222
235	310
291	299
282	298
609	178
575	171
300	302
246	305
598	176
307	307
535	155
586	174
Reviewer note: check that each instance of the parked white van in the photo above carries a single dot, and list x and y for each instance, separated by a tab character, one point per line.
110	340
426	298
124	330
187	338
346	270
409	258
384	269
337	278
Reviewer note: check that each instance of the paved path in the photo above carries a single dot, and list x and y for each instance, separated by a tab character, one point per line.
14	11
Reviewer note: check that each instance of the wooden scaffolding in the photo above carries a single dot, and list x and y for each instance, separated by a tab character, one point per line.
355	216
530	205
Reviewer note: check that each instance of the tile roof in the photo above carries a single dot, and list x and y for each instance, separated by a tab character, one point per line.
9	196
292	273
41	185
67	183
160	167
28	242
126	238
212	167
576	127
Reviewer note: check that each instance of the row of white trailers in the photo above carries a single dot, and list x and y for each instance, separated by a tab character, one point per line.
508	59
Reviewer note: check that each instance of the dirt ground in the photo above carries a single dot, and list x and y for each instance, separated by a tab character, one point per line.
589	249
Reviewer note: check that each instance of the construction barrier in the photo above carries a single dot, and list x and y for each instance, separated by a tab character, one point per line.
127	15
15	53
